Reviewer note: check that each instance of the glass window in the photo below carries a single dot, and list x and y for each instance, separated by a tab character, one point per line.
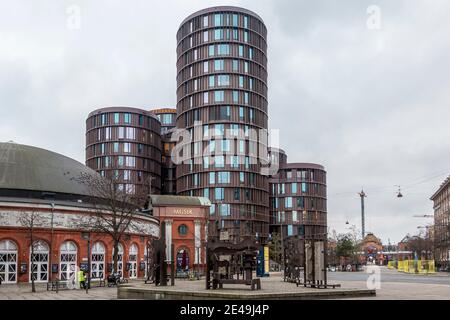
300	202
241	81
304	187
219	130
116	147
226	145
245	36
290	230
288	202
195	54
245	22
127	147
246	97
294	187
205	21
224	209
250	53
205	36
211	51
223	177
127	118
205	97
241	113
294	216
212	177
212	209
206	193
205	130
218	65
241	51
218	34
241	146
223	80
205	162
195	178
246	67
241	177
211	81
217	20
212	146
223	49
237	194
234	129
235	34
219	162
235	65
116	118
219	193
182	230
235	96
235	162
235	20
205	66
219	96
289	174
250	81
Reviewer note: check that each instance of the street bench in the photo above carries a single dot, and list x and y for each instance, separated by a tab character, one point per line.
99	281
56	285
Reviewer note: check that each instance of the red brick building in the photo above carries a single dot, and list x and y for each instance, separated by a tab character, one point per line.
36	182
185	220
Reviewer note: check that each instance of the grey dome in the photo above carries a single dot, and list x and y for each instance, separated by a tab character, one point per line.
29	168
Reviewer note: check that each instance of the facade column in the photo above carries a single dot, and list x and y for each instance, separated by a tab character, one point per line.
206	240
197	241
168	239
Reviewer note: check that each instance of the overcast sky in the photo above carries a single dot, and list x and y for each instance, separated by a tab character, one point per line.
367	98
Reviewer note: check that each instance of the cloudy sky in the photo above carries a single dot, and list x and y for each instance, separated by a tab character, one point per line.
364	92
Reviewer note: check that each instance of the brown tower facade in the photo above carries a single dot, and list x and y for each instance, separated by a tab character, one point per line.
298	197
167	117
222	92
125	143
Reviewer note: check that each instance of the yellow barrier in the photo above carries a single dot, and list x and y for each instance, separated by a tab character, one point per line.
419	266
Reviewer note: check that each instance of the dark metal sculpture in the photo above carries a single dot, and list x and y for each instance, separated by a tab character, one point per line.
231	263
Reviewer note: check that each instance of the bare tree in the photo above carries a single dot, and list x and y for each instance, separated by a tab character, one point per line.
30	221
115	207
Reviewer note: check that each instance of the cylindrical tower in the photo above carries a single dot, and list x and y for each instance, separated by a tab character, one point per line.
222	86
125	143
298	195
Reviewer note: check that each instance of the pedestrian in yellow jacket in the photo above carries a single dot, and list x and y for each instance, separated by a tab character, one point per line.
81	279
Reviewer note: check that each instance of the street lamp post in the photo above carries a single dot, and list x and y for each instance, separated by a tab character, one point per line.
87	236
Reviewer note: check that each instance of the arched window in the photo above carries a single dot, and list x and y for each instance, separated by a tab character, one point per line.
8	261
119	260
182	230
67	260
132	260
39	261
98	261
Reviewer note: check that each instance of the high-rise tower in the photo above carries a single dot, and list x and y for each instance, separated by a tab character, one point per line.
222	93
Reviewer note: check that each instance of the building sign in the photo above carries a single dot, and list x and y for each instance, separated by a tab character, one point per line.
182	212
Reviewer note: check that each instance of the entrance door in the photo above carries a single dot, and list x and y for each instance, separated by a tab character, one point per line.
98	261
132	259
39	262
8	261
68	261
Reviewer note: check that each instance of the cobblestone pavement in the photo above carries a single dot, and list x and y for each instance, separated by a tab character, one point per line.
394	285
23	292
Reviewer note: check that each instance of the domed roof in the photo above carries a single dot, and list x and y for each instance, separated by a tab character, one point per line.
29	168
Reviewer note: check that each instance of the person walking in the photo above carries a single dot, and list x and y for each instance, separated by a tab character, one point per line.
81	279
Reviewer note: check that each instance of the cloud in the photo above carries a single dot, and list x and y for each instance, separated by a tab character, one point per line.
370	105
